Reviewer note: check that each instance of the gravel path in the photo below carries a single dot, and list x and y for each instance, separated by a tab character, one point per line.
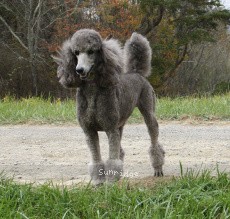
59	153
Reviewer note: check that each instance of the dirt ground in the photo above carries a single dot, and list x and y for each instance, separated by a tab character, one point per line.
40	153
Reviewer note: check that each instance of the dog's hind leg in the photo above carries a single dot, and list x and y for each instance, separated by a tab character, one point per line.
114	165
122	152
146	106
96	167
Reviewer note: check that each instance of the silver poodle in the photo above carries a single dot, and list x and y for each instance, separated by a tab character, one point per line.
111	82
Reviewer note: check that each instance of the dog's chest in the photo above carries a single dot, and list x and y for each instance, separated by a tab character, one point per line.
91	103
97	108
87	101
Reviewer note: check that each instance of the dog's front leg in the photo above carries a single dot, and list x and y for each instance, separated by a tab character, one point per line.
114	166
96	167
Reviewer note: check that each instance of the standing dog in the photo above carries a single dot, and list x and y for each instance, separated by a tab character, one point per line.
110	83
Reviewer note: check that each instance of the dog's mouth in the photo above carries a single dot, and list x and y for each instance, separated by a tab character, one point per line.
86	75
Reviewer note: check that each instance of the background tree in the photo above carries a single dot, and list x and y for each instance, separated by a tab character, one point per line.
175	25
33	29
26	25
117	18
207	70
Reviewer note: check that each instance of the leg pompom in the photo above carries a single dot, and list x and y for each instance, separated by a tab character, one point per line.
113	170
97	173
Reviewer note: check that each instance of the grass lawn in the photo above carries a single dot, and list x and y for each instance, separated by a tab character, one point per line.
40	111
190	196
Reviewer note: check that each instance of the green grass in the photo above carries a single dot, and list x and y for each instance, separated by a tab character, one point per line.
191	196
38	110
206	108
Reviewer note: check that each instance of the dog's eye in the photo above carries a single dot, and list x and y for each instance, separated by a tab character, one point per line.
76	53
90	52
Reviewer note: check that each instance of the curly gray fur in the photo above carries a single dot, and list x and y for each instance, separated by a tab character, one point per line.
138	55
107	97
66	66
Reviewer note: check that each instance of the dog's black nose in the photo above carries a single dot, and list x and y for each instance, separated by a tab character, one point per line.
80	71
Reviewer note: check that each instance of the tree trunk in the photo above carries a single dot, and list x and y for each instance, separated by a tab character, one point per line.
34	76
34	19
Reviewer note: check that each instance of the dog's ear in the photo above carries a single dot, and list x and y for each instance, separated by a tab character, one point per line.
112	63
67	62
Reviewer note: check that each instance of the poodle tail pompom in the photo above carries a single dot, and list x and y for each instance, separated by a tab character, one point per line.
138	54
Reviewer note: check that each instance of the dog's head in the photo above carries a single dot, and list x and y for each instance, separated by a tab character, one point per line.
86	46
85	56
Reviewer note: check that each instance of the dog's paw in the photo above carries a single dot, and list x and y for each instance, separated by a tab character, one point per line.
157	155
113	170
97	173
158	171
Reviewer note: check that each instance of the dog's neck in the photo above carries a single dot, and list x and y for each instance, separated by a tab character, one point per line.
91	79
91	82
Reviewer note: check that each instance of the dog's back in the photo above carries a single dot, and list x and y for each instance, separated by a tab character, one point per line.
134	89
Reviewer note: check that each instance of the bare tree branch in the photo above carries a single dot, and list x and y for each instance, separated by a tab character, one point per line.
179	60
167	78
22	2
148	23
15	53
17	8
157	20
13	33
6	7
181	57
38	22
37	9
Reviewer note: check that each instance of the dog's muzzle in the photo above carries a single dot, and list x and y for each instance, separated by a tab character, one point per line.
82	73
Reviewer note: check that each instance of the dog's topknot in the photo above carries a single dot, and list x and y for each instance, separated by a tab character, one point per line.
86	39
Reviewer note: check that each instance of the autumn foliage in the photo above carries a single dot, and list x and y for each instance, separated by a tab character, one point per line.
110	17
170	27
40	27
